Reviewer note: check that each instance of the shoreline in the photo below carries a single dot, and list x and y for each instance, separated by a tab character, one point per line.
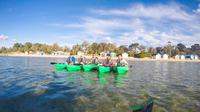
129	58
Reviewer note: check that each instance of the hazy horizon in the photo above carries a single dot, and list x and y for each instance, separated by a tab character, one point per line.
150	23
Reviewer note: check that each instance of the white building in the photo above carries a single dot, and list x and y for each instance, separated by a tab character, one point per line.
196	57
165	56
125	55
26	53
40	53
67	53
80	53
158	56
182	57
177	57
137	50
58	53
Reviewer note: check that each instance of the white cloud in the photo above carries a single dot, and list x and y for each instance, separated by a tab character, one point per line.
198	9
172	12
149	25
3	37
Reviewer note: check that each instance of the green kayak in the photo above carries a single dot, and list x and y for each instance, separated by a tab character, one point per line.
89	67
73	67
60	66
143	107
120	69
103	69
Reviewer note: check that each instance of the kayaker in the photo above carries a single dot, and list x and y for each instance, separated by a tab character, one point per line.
94	60
69	60
82	60
121	62
108	62
73	59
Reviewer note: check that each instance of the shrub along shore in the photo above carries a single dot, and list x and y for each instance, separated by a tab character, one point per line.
134	50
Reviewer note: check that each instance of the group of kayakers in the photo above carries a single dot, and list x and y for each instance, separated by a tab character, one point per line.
94	60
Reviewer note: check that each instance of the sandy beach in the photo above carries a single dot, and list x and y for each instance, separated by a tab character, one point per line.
129	58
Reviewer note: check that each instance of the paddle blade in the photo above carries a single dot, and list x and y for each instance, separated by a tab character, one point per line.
52	63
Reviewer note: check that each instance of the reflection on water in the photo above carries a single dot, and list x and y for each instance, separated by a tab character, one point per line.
103	79
120	80
32	85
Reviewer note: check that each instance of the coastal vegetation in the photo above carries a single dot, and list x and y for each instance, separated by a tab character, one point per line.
133	50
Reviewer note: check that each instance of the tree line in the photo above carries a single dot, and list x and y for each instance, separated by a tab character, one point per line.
134	49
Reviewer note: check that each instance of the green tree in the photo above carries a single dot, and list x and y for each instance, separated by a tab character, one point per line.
55	47
131	53
17	46
3	50
181	47
119	50
66	49
93	48
36	47
27	46
152	51
75	49
133	46
143	55
85	47
110	47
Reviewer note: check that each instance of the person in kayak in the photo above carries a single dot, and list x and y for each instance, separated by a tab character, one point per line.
108	62
94	60
121	62
73	59
70	60
82	60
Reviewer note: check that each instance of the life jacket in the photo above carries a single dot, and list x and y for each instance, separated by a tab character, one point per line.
94	61
119	63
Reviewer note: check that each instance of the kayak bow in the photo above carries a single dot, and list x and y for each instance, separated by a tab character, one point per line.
120	69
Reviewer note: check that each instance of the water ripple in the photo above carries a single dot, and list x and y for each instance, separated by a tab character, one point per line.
31	84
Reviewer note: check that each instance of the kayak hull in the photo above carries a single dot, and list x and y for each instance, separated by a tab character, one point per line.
143	107
103	69
60	66
73	67
120	69
87	68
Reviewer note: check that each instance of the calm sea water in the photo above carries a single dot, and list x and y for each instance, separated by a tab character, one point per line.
33	85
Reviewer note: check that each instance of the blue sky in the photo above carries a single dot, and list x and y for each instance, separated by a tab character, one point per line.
68	22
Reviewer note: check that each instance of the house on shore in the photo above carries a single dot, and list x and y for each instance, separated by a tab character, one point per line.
40	53
137	50
26	53
196	57
158	56
125	55
165	56
191	57
59	53
182	57
177	57
80	53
